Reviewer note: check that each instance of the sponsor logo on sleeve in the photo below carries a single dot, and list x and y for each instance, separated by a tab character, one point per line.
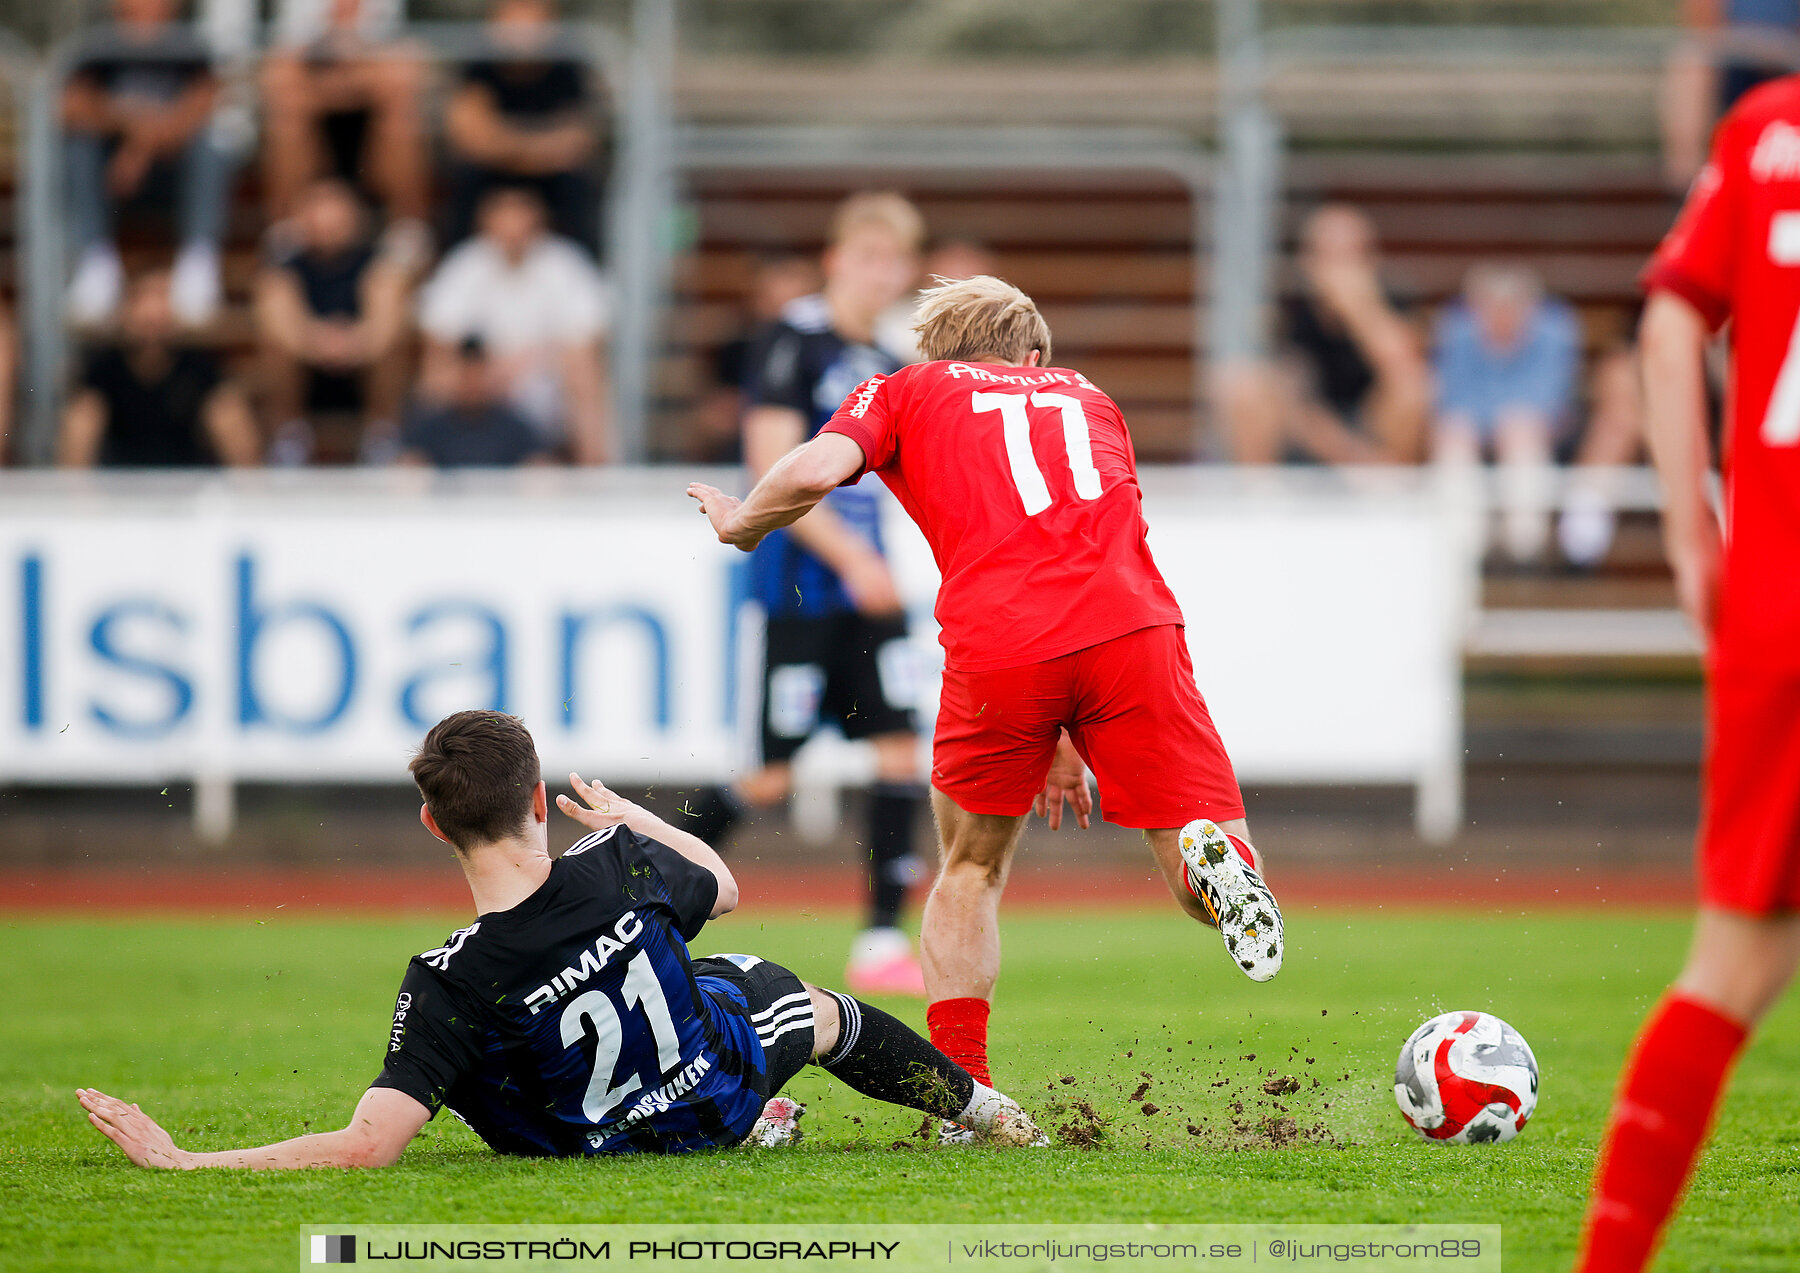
860	407
441	957
1777	153
402	1006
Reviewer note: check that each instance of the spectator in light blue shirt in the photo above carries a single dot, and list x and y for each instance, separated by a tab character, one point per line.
1506	359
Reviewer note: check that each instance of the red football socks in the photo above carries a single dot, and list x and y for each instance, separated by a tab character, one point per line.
1660	1119
959	1030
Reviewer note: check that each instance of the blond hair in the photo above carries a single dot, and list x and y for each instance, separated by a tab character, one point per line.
980	319
881	208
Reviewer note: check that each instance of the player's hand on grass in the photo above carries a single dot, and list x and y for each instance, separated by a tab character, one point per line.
140	1136
603	809
1067	781
718	507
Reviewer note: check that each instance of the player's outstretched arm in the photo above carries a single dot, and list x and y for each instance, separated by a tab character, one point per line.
1673	338
383	1125
608	808
787	492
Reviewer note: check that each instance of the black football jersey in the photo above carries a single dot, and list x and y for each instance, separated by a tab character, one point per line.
572	1023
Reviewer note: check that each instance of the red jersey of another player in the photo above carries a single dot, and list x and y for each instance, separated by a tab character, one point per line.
1024	482
1735	254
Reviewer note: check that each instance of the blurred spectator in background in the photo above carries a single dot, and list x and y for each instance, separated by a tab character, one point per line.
342	97
9	379
716	436
525	115
475	427
136	110
1614	437
146	402
331	316
1349	382
541	309
955	260
1733	46
1506	360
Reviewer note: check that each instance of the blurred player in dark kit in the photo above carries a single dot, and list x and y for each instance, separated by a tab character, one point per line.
836	647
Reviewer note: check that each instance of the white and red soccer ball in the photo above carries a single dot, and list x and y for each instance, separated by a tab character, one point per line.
1466	1078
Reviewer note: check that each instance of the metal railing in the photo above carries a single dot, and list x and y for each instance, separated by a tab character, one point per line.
18	71
1247	192
1411	45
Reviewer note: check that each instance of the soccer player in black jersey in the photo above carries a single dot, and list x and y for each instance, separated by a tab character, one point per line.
569	1019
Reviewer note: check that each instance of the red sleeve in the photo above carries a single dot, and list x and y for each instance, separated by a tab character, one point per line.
867	419
1698	259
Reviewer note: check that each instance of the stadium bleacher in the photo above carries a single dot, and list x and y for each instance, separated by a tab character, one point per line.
1110	260
1535	145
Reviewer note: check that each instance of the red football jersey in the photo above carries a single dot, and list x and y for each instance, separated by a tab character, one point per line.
1734	253
1024	482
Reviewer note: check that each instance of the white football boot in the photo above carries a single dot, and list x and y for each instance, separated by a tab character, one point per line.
1242	907
778	1125
1007	1125
950	1133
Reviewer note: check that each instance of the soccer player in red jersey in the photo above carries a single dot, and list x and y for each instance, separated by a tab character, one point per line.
1062	643
1733	254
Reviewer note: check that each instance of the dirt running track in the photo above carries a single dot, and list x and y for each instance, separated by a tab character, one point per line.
310	891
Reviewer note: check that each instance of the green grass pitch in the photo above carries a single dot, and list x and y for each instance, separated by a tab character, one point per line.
241	1031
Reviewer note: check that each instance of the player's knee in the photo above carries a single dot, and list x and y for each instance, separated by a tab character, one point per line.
975	864
827	1020
285	86
399	79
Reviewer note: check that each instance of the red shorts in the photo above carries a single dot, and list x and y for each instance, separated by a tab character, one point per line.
1130	706
1750	823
